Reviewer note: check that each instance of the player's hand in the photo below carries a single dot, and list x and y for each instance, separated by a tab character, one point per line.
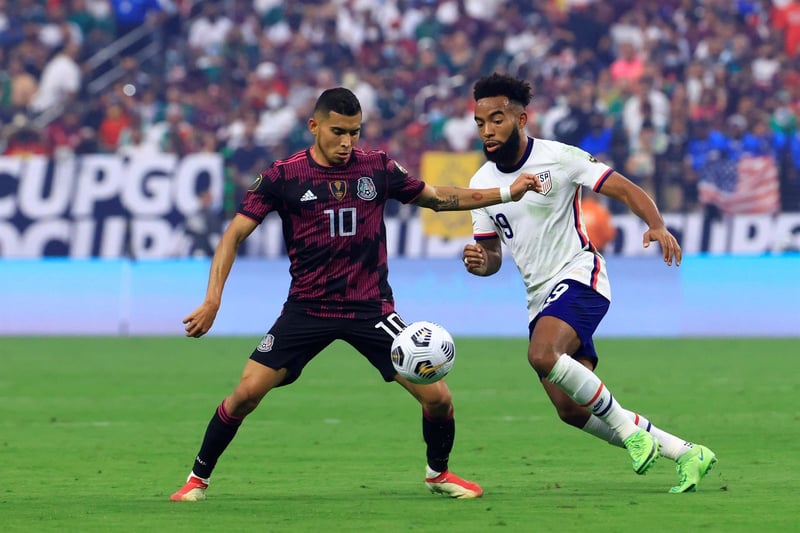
200	320
475	259
669	244
524	183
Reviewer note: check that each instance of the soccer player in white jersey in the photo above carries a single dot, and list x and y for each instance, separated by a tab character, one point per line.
565	277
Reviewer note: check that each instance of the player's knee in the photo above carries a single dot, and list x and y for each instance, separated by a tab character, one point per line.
542	359
439	403
244	399
241	406
247	406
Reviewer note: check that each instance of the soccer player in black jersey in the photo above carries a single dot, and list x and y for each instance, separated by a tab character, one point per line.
331	199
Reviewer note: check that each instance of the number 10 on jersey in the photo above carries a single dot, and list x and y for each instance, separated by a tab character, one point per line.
342	221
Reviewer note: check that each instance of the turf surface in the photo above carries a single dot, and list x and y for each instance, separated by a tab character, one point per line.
96	433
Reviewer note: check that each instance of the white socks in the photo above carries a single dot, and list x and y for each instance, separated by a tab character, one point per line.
609	421
193	475
583	386
430	473
671	446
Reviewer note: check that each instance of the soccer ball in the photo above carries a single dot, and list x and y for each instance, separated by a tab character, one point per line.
424	352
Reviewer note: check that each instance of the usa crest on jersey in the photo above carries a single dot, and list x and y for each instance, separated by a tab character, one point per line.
366	188
544	179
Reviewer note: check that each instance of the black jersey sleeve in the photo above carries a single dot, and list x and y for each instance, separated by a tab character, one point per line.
262	196
402	186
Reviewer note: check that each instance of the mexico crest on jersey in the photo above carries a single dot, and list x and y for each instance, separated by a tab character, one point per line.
266	343
338	189
366	188
544	179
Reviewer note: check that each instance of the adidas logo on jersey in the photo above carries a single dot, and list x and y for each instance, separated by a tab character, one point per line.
308	196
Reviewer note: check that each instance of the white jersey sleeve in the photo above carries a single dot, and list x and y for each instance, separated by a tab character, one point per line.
544	232
582	168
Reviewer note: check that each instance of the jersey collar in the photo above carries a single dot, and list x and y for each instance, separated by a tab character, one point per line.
312	162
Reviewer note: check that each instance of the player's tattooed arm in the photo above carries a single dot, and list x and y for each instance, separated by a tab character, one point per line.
437	203
445	198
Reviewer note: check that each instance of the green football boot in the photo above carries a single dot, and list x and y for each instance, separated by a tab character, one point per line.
643	449
692	467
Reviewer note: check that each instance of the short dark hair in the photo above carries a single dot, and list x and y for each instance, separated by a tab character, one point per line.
339	100
516	90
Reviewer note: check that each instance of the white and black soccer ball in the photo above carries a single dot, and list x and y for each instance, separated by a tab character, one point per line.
424	352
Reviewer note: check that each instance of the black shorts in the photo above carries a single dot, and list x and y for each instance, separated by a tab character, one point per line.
296	338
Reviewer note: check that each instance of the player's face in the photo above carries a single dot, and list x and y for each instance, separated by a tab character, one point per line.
499	125
335	136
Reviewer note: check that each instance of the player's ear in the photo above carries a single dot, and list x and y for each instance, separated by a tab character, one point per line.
522	120
313	126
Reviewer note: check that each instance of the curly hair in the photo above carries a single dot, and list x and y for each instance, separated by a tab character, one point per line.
516	90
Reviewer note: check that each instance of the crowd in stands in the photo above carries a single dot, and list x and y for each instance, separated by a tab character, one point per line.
660	89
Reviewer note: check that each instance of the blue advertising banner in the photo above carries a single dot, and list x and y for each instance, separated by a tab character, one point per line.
103	205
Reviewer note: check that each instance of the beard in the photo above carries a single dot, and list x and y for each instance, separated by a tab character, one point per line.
508	152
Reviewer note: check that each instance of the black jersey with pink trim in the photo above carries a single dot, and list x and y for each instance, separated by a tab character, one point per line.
333	229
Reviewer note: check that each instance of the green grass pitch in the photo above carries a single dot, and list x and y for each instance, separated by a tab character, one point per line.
96	433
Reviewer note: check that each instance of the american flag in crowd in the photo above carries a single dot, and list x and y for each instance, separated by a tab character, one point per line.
745	186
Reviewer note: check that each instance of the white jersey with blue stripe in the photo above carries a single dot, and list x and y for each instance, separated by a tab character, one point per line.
544	232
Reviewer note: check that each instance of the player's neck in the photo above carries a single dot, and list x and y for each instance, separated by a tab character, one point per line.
313	153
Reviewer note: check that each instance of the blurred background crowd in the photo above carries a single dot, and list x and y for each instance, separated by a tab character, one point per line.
663	90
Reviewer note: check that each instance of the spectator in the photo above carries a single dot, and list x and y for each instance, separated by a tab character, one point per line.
116	120
640	167
677	185
363	89
276	121
148	107
706	145
573	126
597	140
174	134
246	162
646	104
22	84
459	130
628	67
787	20
129	15
58	29
87	141
132	142
22	140
63	134
204	226
209	31
60	81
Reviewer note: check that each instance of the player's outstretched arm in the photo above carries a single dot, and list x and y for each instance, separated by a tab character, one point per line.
199	321
484	258
619	187
445	198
